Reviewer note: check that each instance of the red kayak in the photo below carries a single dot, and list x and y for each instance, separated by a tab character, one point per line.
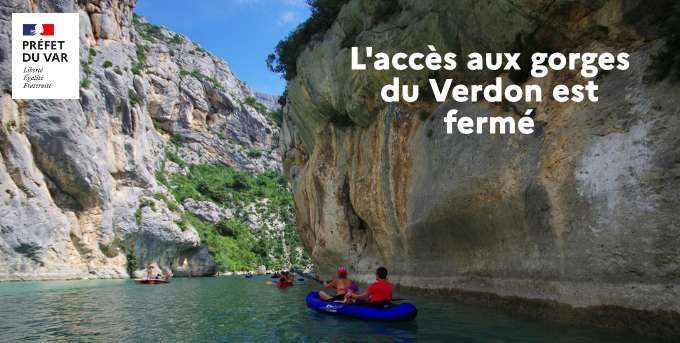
151	281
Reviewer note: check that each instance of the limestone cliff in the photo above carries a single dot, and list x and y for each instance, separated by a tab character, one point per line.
583	212
78	179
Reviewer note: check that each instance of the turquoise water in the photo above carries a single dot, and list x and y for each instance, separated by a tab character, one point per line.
235	309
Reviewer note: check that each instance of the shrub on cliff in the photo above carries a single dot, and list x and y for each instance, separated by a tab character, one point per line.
229	187
284	58
231	253
252	102
202	77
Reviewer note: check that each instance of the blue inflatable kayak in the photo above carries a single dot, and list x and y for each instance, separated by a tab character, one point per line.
401	312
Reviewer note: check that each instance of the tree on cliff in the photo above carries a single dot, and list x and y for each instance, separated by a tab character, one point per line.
284	58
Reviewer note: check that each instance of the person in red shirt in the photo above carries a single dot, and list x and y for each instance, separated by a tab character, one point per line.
379	294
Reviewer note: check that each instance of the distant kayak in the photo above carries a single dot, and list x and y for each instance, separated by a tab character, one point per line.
401	312
151	281
283	284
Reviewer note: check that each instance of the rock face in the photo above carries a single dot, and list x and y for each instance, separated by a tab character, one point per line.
271	102
583	212
206	210
79	197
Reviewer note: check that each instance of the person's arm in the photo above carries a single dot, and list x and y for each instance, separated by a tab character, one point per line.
366	294
329	284
363	295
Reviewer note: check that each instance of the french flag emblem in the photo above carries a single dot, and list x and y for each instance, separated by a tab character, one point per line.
45	30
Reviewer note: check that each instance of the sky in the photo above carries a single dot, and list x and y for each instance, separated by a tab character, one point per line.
242	32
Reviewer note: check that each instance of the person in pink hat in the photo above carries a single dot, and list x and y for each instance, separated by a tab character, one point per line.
342	286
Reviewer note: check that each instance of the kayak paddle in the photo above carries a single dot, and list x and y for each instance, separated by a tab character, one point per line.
311	278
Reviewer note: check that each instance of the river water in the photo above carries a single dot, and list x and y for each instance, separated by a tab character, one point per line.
236	309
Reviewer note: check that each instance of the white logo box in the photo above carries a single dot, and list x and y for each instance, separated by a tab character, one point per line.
63	77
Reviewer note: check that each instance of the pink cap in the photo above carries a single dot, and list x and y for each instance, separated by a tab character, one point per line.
342	271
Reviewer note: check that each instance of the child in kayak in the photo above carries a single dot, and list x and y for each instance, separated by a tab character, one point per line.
342	286
379	294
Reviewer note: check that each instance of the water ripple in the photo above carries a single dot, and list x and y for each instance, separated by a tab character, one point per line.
235	309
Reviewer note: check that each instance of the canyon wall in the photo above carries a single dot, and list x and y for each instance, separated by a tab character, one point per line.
79	190
584	212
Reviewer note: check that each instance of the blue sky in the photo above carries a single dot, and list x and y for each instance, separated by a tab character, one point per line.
242	32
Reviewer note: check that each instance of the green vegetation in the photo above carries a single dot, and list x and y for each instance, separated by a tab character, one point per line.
324	12
150	32
230	188
176	139
171	204
252	102
136	68
275	117
10	125
254	153
86	68
143	203
282	98
201	77
177	39
200	51
132	263
146	30
234	245
183	223
107	64
284	58
350	38
134	97
91	54
139	65
231	253
171	155
85	83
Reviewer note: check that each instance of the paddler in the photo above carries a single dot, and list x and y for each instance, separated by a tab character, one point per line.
379	294
342	286
149	274
285	280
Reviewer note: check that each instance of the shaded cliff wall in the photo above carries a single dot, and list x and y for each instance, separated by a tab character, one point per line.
583	212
